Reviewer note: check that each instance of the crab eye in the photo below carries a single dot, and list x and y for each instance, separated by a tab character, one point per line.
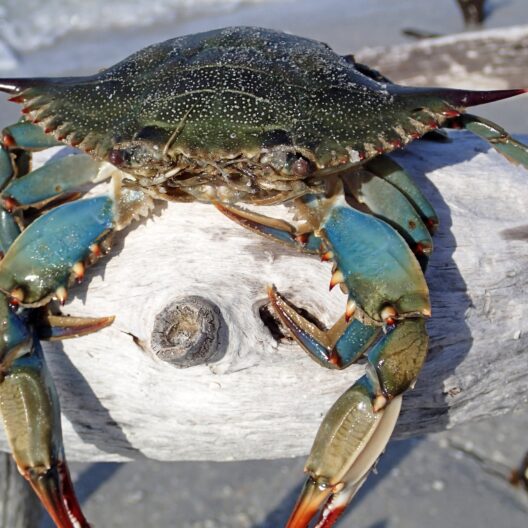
298	166
119	157
135	155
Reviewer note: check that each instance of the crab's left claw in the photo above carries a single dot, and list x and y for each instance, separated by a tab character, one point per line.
384	320
357	428
327	490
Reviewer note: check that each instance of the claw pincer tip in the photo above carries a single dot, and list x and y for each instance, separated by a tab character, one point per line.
55	490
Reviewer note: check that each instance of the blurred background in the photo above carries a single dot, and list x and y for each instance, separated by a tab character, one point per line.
458	478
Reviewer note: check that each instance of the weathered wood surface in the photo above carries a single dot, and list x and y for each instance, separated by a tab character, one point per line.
263	399
494	58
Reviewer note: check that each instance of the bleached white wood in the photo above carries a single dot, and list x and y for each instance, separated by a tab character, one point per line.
265	399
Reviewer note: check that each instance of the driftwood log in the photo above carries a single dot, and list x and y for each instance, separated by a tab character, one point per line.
194	366
492	59
190	368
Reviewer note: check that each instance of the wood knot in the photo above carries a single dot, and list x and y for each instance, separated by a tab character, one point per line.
187	332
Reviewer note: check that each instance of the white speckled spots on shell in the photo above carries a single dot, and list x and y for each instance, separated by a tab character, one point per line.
206	98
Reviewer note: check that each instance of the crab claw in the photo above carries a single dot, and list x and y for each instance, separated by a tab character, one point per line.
41	261
55	491
355	431
337	470
39	264
31	414
57	327
388	302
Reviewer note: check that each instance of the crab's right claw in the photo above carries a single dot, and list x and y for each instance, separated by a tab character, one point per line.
31	414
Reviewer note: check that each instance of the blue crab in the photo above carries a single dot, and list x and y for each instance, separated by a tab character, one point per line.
233	116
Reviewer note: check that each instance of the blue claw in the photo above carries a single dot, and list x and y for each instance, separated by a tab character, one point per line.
9	231
6	166
51	180
42	258
28	136
375	263
338	347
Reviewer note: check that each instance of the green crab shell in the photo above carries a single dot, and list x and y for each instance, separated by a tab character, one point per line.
230	92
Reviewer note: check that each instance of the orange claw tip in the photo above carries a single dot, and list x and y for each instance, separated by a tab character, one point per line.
451	112
55	490
62	294
337	278
272	291
311	499
8	140
9	204
326	256
334	358
302	239
78	271
16	296
432	224
95	250
350	310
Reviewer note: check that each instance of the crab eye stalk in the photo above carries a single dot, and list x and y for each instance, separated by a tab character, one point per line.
136	157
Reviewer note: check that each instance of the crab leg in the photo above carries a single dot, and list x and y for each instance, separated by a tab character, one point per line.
17	141
27	136
36	189
9	231
272	228
389	204
386	168
49	181
31	272
387	292
31	414
498	137
336	348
